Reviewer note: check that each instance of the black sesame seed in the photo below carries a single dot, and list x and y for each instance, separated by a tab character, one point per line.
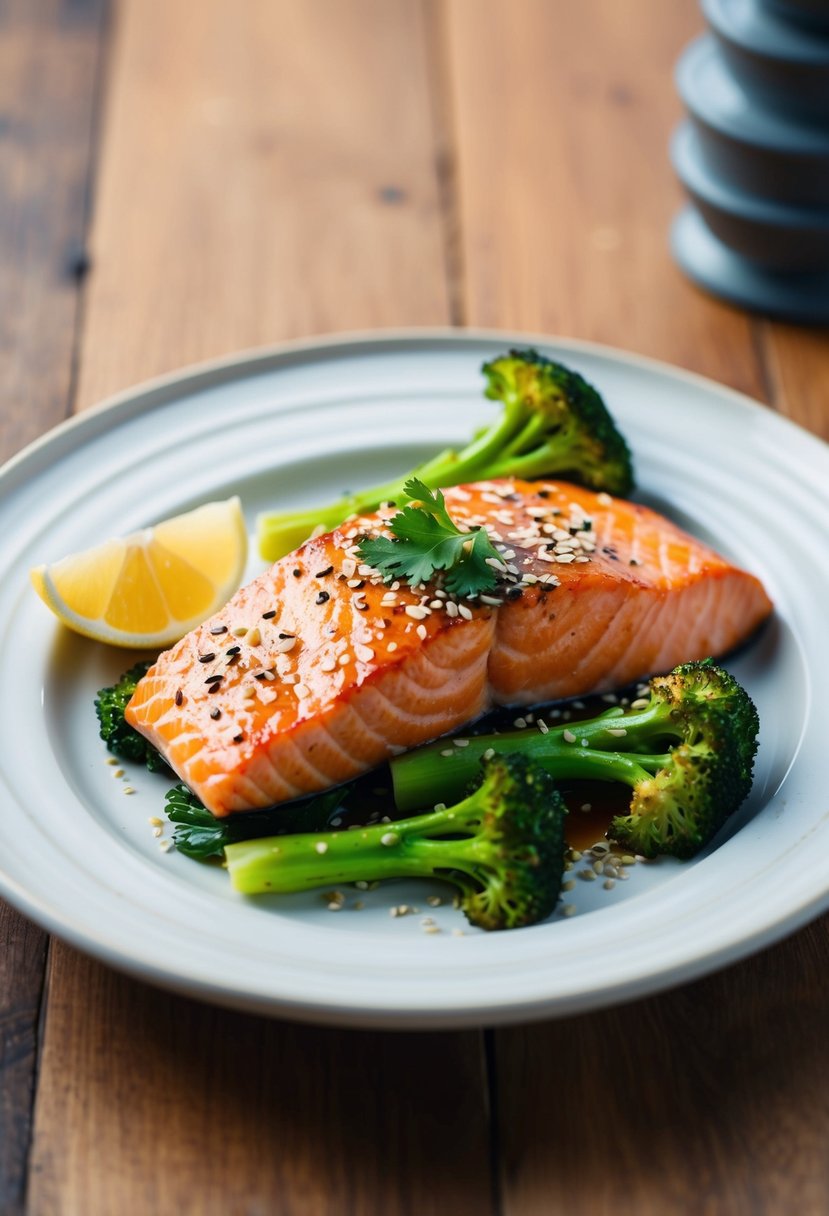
179	697
216	630
324	573
233	650
213	685
269	615
358	586
207	658
322	598
238	738
215	713
282	636
297	573
260	675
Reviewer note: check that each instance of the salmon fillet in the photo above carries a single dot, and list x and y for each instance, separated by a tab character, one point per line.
317	671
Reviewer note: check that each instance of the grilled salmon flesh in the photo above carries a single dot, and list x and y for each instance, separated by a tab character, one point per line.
317	670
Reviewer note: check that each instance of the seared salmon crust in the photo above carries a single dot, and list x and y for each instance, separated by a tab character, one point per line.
317	670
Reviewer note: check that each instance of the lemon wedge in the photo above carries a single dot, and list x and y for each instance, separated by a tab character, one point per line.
148	589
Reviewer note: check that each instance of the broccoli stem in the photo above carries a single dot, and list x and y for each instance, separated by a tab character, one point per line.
425	776
286	864
281	533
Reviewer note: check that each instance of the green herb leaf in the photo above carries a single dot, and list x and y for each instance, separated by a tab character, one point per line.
200	834
426	540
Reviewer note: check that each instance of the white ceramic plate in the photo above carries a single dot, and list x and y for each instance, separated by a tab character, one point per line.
295	425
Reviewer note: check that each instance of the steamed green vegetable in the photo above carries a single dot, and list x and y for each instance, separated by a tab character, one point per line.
686	751
553	424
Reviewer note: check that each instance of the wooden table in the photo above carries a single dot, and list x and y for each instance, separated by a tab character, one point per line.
180	179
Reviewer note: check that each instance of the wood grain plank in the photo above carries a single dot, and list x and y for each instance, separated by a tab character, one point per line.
266	173
48	78
151	1103
711	1098
562	115
798	362
276	178
49	55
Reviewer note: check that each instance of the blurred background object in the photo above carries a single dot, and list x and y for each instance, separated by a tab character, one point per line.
753	155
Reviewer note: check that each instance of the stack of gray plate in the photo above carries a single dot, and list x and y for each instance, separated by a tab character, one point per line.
753	155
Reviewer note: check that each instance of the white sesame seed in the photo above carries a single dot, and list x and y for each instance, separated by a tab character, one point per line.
422	632
391	646
447	751
128	789
568	736
249	692
488	754
542	726
618	732
320	847
328	665
451	608
389	839
465	612
568	909
416	611
364	653
461	742
285	644
344	659
302	690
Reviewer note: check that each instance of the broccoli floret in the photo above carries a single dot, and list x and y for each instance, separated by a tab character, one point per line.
553	424
502	846
686	750
121	739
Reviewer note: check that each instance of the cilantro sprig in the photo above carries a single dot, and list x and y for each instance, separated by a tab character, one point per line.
425	539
